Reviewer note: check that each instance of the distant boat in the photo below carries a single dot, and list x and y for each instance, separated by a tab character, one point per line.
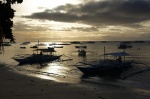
124	45
89	42
81	46
22	47
34	46
6	44
25	43
103	41
75	42
56	47
41	44
81	51
138	41
45	55
63	44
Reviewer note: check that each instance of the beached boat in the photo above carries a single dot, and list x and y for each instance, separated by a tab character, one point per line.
45	55
106	67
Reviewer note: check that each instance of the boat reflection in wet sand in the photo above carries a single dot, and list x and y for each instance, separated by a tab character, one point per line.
45	55
106	67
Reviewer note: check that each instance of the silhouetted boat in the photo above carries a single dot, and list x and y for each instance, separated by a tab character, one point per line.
81	46
23	47
89	42
56	47
34	46
6	44
37	58
63	44
138	41
103	41
25	43
106	67
75	42
41	44
124	45
81	51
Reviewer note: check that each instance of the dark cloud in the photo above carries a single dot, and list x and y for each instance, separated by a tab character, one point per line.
99	13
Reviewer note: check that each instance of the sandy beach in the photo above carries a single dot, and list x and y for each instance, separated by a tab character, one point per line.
17	86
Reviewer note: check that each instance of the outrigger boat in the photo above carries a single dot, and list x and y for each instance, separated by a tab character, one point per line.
45	55
106	67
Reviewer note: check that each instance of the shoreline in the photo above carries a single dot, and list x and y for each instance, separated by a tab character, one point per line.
17	86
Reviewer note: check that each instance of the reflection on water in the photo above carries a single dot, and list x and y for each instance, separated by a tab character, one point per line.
65	71
57	72
55	68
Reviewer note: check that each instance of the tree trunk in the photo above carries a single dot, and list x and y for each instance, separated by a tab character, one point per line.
1	39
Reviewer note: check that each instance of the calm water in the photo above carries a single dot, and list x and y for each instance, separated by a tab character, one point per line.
65	71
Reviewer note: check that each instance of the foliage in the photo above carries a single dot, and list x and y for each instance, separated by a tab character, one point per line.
6	16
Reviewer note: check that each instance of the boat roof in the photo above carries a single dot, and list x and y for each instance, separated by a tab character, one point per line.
46	50
118	54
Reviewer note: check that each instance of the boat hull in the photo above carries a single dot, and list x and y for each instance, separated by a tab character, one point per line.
106	69
37	59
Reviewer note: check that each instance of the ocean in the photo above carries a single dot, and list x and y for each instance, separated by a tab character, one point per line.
64	70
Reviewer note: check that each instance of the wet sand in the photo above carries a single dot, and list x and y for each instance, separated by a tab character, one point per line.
17	86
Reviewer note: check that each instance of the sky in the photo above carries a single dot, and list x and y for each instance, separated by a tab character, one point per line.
82	20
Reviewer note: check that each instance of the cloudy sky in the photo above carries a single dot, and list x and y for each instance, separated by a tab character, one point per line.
62	20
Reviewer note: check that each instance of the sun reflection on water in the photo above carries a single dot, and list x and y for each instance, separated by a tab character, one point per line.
54	71
56	68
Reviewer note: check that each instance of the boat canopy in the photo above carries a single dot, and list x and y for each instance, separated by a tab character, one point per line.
117	54
46	50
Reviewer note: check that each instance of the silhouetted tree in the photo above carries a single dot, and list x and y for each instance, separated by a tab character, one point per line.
6	23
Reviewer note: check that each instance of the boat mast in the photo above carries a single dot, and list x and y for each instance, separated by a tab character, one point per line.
104	52
124	56
38	41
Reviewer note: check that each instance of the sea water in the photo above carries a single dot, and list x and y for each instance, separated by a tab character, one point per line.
65	70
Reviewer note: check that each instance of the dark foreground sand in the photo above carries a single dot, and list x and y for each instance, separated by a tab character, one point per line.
16	86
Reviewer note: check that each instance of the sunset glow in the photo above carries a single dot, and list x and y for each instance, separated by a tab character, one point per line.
53	20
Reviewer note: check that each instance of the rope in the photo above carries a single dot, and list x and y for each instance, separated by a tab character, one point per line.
137	72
